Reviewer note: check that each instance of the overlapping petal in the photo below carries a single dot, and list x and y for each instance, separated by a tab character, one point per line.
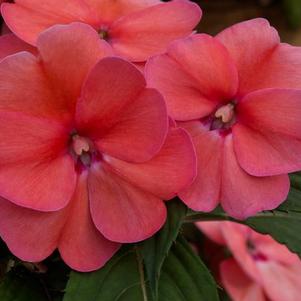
243	195
267	140
10	44
204	193
121	211
238	284
33	235
119	109
195	75
171	170
139	35
250	45
63	48
28	18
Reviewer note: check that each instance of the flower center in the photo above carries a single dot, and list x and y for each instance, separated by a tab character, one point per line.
81	149
224	117
103	32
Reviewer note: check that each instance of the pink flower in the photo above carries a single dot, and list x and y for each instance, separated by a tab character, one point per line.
261	269
237	94
136	29
86	152
11	44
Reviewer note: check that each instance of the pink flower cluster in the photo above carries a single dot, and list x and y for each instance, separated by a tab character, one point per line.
110	108
259	268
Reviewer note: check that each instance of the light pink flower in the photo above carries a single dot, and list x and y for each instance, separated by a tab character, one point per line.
85	143
238	96
261	269
136	29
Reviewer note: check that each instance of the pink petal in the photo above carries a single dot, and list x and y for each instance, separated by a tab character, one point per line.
238	285
244	195
35	171
68	52
28	18
282	69
249	43
213	230
275	251
236	239
183	96
121	211
280	282
269	140
81	245
108	10
25	88
30	235
208	61
126	120
10	44
139	35
33	235
204	193
160	175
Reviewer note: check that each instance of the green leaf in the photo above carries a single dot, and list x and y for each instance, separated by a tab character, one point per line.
119	280
183	278
155	249
16	287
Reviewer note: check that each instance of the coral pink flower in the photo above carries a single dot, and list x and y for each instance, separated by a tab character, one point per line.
136	29
261	269
237	94
10	44
86	152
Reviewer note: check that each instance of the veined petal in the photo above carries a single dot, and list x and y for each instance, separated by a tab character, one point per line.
147	32
171	170
243	195
81	245
10	44
68	53
250	43
35	169
121	211
28	18
204	193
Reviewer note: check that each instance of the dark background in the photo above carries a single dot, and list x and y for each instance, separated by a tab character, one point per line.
284	15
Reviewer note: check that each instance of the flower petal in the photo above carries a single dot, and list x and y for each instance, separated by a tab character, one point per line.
160	175
33	235
28	18
10	44
249	43
25	88
108	10
35	170
267	139
204	193
147	32
244	195
238	285
121	211
81	245
30	235
213	230
68	52
126	120
280	282
181	92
